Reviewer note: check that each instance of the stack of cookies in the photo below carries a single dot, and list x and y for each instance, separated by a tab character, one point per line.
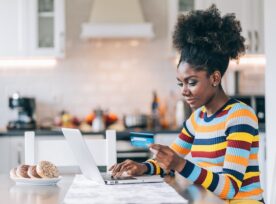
43	170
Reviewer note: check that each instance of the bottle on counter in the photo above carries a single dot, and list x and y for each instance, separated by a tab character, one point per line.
155	115
98	123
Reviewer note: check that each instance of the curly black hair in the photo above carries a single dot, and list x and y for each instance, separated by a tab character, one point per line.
206	40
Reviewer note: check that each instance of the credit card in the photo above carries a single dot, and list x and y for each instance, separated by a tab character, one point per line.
140	139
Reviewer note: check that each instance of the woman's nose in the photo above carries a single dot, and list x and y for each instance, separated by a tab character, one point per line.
185	91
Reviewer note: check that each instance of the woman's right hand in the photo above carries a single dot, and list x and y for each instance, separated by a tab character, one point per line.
130	167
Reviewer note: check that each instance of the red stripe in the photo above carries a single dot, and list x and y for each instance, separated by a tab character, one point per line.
248	181
186	138
235	185
222	113
255	144
201	114
239	144
213	154
201	177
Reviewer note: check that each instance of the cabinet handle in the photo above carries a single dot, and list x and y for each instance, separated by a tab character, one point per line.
257	41
19	151
249	34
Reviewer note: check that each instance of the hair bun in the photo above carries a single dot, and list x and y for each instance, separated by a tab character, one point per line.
207	30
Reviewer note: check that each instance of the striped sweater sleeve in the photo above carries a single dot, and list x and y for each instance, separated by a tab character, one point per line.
181	145
240	131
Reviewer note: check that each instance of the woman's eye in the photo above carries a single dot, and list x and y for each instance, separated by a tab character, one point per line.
192	83
180	84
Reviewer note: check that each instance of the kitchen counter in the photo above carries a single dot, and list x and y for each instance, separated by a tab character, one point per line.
121	135
18	194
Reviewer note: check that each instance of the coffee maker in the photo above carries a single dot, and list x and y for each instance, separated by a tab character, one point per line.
25	108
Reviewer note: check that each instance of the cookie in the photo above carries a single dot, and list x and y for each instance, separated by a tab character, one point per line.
46	169
22	171
13	173
32	172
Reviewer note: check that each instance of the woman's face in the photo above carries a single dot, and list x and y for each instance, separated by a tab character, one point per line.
197	87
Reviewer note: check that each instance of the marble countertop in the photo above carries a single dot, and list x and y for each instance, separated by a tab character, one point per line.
21	194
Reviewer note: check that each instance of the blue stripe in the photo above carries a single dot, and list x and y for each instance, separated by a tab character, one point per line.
254	150
237	174
215	121
183	143
195	174
251	186
211	141
186	128
187	170
242	128
210	160
252	169
237	152
214	183
231	192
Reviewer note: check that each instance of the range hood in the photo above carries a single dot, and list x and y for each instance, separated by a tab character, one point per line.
116	19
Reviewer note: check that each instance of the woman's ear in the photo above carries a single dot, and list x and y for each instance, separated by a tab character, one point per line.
215	78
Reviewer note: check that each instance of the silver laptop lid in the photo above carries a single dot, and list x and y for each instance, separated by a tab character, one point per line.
82	154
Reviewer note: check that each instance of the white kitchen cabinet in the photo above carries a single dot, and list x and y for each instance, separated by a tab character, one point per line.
47	30
32	28
249	12
13	30
251	15
4	154
16	151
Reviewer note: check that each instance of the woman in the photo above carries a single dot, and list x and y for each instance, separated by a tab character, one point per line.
222	133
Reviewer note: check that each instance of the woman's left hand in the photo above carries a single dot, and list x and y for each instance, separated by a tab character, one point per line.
167	158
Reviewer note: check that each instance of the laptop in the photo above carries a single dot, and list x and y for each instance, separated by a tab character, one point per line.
88	165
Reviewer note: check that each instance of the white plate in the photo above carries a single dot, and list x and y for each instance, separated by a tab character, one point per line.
36	182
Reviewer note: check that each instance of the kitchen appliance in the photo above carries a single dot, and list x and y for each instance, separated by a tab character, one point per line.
118	19
25	108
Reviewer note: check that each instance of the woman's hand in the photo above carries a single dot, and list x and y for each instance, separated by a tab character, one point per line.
167	158
132	168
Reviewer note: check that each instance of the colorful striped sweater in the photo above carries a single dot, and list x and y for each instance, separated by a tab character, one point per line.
223	151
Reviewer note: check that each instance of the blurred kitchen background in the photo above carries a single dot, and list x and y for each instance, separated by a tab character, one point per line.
97	64
46	55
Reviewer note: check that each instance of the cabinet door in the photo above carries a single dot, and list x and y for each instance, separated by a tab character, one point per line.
16	151
249	13
4	155
47	28
12	35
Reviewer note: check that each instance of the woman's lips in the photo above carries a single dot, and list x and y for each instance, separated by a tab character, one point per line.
190	101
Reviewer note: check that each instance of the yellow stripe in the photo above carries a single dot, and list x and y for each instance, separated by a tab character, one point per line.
209	128
158	170
179	149
208	180
248	193
243	113
235	179
209	148
256	138
240	136
186	133
250	174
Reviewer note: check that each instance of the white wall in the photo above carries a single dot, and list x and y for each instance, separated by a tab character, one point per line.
270	84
